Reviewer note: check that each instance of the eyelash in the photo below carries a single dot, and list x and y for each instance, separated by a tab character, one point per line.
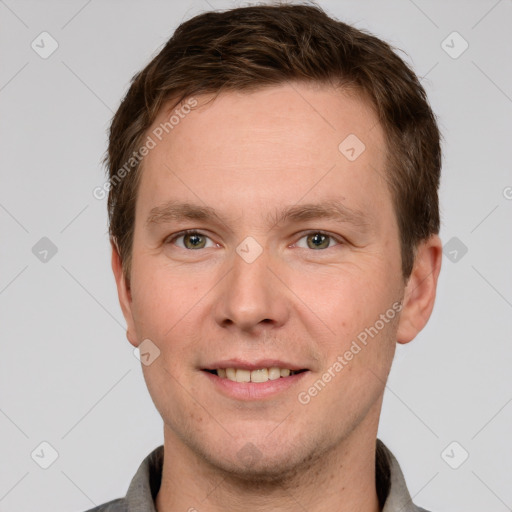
174	237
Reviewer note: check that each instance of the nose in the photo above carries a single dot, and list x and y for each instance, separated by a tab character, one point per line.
251	297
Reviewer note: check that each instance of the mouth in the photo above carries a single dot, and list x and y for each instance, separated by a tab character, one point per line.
243	380
258	375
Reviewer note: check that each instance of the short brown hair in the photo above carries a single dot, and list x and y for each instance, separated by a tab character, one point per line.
252	47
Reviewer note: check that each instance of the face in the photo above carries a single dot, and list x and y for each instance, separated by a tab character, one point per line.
291	255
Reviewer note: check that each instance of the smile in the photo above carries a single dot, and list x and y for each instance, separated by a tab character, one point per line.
259	375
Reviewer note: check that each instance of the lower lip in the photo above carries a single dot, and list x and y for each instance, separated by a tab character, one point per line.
254	390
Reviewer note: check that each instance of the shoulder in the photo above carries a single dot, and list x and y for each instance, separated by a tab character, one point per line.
118	505
391	486
143	487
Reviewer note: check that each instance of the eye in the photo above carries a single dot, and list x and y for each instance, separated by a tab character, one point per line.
318	240
191	240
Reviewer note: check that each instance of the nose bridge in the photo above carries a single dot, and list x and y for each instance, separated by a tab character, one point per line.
251	296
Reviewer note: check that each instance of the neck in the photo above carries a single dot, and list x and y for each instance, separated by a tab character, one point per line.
343	478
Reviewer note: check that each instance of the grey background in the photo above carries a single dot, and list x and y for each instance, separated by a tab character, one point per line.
68	375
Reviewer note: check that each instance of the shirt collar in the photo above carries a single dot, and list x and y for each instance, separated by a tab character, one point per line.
391	487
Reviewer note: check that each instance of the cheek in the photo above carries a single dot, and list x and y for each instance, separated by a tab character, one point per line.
169	310
356	364
164	309
347	300
162	300
358	349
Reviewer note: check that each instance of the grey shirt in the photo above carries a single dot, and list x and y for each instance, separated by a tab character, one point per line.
391	489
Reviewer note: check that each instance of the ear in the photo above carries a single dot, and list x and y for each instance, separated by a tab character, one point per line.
420	291
124	294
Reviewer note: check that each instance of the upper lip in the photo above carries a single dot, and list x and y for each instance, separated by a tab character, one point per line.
256	365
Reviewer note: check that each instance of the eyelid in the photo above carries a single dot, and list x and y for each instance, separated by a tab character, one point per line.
340	240
172	238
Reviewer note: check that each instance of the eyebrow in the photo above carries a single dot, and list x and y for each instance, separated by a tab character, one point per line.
330	209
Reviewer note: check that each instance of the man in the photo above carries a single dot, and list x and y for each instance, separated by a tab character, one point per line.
274	215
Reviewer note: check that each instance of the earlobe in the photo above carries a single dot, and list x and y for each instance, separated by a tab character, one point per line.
124	294
420	291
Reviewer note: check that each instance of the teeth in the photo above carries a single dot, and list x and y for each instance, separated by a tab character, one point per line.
259	375
243	376
274	373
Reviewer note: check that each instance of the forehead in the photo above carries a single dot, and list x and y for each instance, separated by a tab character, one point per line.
277	144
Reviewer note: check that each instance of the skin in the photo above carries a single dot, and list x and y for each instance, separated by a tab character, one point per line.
246	155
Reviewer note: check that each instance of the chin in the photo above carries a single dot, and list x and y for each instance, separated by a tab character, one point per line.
266	465
275	470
